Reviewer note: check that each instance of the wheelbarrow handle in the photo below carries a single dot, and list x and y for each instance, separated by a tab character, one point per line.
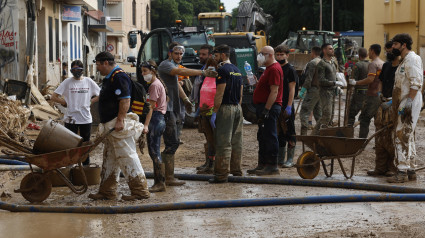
377	133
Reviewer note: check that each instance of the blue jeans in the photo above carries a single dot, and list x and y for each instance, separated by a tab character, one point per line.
268	143
156	129
171	137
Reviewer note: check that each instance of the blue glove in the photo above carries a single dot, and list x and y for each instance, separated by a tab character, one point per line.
212	120
386	105
288	111
198	111
301	94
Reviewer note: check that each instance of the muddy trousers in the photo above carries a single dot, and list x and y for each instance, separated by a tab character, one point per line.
268	142
311	103
370	107
228	141
85	132
384	152
209	135
356	105
156	129
120	155
326	100
171	136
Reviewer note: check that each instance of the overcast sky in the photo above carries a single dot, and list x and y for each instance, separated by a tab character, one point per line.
230	4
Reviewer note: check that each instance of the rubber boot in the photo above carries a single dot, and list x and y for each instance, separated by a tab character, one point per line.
289	158
138	187
107	190
411	175
268	170
399	177
206	158
169	171
281	156
259	166
159	177
209	169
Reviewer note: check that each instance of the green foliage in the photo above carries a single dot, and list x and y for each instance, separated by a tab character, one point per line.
234	17
292	15
164	13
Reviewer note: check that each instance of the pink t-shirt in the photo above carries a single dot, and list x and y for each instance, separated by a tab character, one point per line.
157	94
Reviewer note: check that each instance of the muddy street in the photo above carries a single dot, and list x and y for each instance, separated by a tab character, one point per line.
389	219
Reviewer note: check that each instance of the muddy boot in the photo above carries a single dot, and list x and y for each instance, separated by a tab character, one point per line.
399	177
376	173
209	169
169	171
289	158
107	190
281	157
268	170
259	166
411	175
206	158
159	177
138	187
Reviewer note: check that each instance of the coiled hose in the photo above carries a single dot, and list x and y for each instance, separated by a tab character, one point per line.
416	195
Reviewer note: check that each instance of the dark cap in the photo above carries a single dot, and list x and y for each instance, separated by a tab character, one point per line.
104	56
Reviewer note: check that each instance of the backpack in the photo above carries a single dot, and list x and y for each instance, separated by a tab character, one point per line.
138	102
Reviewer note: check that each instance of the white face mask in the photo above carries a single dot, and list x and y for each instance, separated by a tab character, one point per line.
147	78
261	59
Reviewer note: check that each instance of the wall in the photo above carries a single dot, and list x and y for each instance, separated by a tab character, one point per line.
10	39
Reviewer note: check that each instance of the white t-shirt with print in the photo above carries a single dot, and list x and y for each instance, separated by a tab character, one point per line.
77	94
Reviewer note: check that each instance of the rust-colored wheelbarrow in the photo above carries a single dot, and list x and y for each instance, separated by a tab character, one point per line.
37	186
329	148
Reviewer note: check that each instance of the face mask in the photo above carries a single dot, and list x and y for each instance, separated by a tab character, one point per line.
147	78
282	61
77	72
261	59
396	52
390	56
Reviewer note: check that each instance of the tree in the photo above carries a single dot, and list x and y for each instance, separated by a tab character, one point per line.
186	12
164	13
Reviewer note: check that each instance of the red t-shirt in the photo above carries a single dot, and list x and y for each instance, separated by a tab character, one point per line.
273	75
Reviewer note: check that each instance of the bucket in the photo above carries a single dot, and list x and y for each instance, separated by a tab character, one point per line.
55	137
92	174
57	180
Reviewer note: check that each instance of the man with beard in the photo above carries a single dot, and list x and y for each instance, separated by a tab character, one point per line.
407	103
227	117
384	145
169	71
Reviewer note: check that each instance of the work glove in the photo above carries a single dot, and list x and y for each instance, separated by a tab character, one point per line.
188	105
301	94
406	111
381	97
339	84
212	120
288	111
209	73
352	82
386	105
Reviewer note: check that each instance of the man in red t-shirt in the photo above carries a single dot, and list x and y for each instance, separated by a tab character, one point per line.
268	100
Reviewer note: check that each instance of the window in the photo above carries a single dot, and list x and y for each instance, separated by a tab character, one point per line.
57	38
165	42
134	12
151	49
71	43
50	39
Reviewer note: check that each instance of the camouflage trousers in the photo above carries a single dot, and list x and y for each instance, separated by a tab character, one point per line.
311	103
370	107
357	101
228	140
384	143
326	100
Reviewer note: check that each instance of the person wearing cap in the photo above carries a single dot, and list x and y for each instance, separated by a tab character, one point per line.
120	152
77	93
406	104
169	71
227	118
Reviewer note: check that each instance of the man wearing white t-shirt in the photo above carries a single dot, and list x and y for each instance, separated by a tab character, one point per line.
77	94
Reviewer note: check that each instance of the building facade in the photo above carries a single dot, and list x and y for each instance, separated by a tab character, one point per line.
383	19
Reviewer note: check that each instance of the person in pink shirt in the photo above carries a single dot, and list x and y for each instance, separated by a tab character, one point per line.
155	122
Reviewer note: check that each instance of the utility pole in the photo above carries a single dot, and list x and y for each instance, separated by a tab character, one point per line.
320	26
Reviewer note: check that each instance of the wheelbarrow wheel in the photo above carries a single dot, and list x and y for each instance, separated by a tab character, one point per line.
305	167
36	187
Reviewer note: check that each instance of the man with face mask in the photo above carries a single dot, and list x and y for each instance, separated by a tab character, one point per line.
360	71
384	145
268	101
169	71
286	121
372	101
227	117
406	103
326	73
78	93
